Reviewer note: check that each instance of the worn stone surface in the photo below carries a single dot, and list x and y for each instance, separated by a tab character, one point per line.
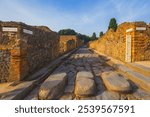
53	86
141	95
84	74
88	98
85	84
69	89
115	82
107	95
67	97
85	87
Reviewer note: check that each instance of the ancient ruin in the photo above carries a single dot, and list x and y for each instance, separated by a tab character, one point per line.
38	64
24	49
131	42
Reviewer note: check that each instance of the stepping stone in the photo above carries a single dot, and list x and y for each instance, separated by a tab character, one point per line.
107	95
84	74
115	82
53	86
85	85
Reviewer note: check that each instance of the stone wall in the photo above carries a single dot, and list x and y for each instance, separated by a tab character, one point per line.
4	65
114	43
25	49
68	43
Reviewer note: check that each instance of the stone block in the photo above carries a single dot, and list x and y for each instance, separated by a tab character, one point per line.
53	86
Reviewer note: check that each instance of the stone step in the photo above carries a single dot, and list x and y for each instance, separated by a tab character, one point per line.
53	86
115	82
144	70
85	84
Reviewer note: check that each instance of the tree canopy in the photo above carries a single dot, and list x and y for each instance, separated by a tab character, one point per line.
101	34
67	32
83	37
113	24
93	36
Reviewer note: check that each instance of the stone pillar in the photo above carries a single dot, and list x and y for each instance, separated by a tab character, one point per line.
18	65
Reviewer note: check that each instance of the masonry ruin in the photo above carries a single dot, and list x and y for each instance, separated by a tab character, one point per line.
25	49
130	43
69	42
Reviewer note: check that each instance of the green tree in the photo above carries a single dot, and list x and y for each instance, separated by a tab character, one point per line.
113	24
85	38
93	36
67	32
101	34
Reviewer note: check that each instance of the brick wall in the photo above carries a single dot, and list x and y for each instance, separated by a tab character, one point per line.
114	43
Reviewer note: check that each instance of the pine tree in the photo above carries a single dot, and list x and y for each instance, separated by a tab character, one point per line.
93	36
101	34
113	24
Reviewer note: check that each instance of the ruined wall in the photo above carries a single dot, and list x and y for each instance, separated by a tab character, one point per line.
142	42
114	43
24	49
68	43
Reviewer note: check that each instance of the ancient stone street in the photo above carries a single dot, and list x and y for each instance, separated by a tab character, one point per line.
86	75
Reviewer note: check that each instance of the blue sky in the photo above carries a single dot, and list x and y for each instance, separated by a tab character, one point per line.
84	16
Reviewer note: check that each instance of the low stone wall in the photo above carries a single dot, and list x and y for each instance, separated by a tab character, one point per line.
114	43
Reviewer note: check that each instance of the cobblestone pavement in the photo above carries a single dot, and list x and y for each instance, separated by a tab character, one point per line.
86	75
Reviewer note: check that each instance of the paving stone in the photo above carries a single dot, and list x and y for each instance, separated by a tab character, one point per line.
85	84
142	95
137	78
107	95
69	89
115	82
84	74
80	69
53	86
106	69
99	84
99	97
88	98
97	72
85	87
15	92
67	97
